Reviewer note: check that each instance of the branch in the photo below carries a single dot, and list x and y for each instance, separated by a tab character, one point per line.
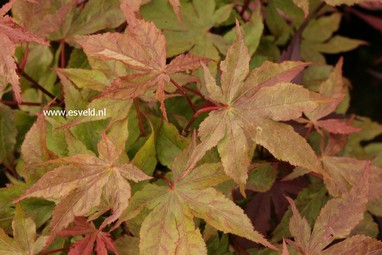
34	82
200	111
184	94
25	57
62	59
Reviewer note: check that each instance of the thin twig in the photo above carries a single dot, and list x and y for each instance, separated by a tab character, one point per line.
319	176
63	60
34	82
312	15
196	92
25	56
200	111
141	127
180	88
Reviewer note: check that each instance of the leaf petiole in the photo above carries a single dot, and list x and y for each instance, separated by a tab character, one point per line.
180	88
200	111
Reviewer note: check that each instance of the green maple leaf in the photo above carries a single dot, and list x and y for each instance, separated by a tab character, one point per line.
336	220
318	38
142	48
24	241
83	182
193	34
175	206
249	106
116	110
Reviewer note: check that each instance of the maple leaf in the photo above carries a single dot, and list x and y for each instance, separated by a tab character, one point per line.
318	39
8	65
174	207
193	35
66	19
248	109
35	16
10	34
336	220
24	240
309	201
80	181
267	207
142	48
92	235
334	90
344	173
116	109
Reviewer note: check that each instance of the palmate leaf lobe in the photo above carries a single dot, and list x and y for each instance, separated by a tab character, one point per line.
336	220
11	34
142	48
193	34
249	108
174	207
334	89
79	182
24	241
345	172
93	236
66	20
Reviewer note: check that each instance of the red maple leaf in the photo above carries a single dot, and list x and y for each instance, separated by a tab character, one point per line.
93	236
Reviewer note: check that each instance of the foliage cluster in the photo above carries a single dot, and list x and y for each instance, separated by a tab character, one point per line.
226	130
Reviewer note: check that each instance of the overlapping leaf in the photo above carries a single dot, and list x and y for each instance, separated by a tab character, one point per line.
337	218
66	19
193	34
174	207
345	173
318	39
93	236
81	181
136	4
11	34
24	241
249	106
334	90
142	48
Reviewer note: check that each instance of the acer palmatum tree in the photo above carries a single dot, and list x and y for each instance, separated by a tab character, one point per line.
213	142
